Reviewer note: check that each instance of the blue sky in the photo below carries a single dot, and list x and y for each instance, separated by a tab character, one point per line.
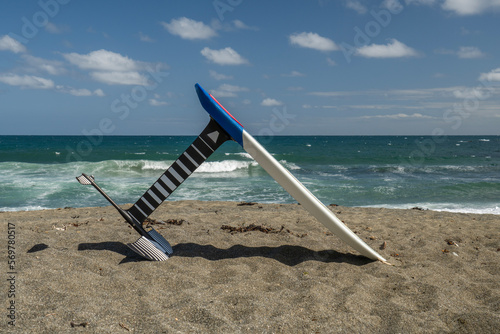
338	67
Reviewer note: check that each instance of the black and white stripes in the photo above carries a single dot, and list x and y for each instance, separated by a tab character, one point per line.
146	248
207	142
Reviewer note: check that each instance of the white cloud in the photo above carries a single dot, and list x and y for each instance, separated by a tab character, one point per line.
226	90
401	94
331	62
393	5
189	29
471	7
493	75
394	49
464	52
8	43
469	52
382	106
471	93
54	29
335	93
231	26
421	2
85	92
219	76
145	38
103	60
240	25
52	67
268	102
99	92
120	78
423	93
399	116
357	6
35	82
110	67
464	31
233	88
314	41
157	103
26	81
366	106
79	91
226	56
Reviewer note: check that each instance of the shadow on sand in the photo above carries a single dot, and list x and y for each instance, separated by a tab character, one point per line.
287	254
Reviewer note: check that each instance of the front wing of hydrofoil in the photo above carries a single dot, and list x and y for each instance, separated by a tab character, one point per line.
293	186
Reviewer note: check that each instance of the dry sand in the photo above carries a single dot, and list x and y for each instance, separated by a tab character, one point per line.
75	274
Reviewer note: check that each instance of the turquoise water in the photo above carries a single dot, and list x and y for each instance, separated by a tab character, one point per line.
459	173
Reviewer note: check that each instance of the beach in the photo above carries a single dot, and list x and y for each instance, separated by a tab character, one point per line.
242	267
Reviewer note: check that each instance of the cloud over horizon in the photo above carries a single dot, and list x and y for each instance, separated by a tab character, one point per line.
313	41
26	81
110	67
394	49
7	43
226	56
226	90
472	7
268	102
189	29
493	75
398	116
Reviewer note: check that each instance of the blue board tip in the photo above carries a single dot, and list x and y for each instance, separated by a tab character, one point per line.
220	114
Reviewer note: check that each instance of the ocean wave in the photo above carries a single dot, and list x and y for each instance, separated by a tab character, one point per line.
450	168
445	207
155	165
241	154
147	167
392	169
122	167
430	169
24	208
334	175
290	165
20	171
467	184
493	210
224	166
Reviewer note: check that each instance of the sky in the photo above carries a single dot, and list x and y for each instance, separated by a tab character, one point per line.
295	67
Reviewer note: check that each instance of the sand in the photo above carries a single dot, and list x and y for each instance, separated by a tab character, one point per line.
73	272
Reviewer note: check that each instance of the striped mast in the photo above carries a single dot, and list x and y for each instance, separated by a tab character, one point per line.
207	142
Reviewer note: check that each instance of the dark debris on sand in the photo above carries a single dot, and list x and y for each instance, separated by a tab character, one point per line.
259	228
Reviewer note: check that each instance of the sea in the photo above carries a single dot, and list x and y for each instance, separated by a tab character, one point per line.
452	173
